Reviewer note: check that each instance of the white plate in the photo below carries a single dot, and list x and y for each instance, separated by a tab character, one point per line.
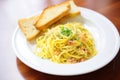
107	42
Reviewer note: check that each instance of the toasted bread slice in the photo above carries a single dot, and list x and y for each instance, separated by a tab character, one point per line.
27	27
74	12
52	14
74	9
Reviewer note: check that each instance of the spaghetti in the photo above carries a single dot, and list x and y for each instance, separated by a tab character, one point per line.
68	43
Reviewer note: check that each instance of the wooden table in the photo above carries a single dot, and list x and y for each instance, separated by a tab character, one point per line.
11	68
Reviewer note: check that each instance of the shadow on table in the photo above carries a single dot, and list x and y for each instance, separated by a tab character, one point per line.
109	72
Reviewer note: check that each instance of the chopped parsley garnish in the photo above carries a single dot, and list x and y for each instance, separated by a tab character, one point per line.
65	31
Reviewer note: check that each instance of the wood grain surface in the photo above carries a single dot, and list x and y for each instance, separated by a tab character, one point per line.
11	68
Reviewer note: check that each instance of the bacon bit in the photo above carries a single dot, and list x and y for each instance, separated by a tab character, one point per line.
57	52
70	42
83	36
72	60
81	60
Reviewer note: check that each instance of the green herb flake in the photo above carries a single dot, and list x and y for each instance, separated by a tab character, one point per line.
65	31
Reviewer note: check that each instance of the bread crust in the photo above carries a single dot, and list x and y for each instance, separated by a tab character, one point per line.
55	18
32	20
